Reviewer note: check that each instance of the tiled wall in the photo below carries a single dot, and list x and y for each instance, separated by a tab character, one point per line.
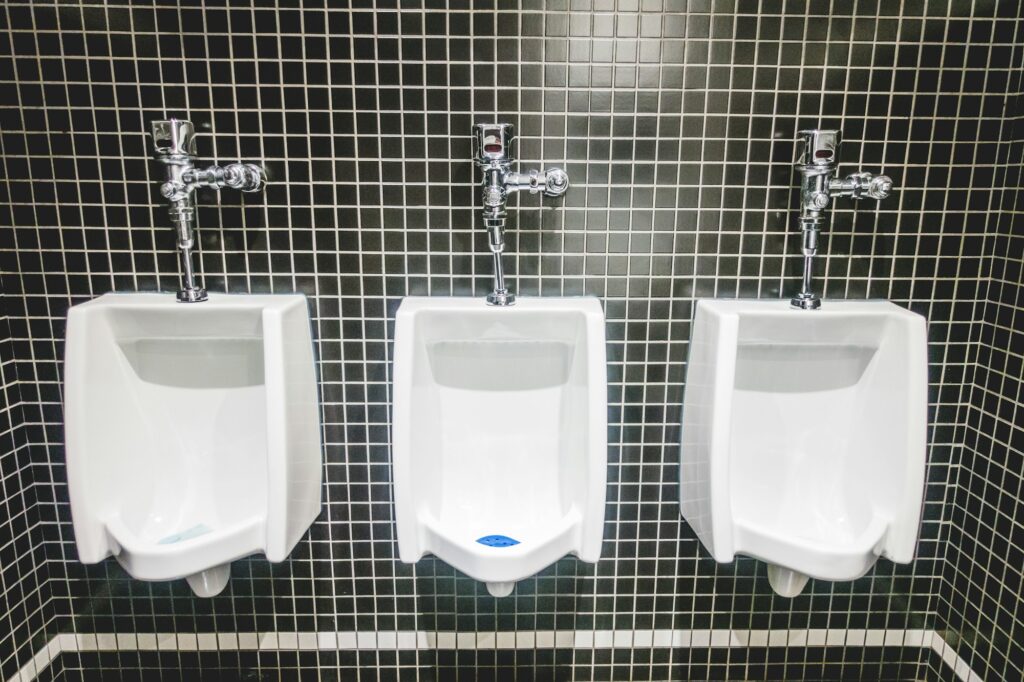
982	598
24	592
675	120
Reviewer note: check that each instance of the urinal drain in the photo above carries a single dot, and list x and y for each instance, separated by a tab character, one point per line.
497	541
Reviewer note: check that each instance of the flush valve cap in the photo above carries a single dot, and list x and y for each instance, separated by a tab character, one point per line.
494	143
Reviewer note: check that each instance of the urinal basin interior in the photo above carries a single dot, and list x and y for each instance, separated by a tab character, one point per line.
499	423
817	428
197	475
508	473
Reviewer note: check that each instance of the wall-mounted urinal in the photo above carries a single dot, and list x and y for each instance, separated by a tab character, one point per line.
192	432
804	436
500	434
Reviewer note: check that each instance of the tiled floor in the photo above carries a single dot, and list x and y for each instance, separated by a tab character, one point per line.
877	664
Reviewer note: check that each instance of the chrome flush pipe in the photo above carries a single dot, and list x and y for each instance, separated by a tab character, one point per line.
494	153
175	144
816	162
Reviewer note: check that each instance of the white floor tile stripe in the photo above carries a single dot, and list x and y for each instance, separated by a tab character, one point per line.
539	639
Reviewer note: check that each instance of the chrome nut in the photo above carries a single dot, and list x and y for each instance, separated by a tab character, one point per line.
234	177
174	190
556	182
880	187
494	196
246	177
819	200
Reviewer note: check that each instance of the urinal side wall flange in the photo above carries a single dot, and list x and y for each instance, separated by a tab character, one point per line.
294	483
902	538
592	529
90	536
410	544
711	368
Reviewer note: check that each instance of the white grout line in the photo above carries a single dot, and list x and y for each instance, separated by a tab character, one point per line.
410	640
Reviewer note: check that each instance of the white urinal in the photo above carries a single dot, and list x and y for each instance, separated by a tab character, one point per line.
804	434
499	434
192	432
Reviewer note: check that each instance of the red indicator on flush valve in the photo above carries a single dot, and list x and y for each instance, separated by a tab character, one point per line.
492	142
823	154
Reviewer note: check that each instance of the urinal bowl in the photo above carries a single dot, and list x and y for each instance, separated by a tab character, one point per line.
499	434
192	431
804	436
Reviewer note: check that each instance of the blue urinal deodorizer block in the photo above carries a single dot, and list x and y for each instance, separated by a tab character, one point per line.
188	534
497	541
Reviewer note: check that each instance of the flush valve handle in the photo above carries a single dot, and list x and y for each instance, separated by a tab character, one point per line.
863	185
245	177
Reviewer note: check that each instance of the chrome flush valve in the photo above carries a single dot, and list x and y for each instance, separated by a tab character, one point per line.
494	153
817	159
174	142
